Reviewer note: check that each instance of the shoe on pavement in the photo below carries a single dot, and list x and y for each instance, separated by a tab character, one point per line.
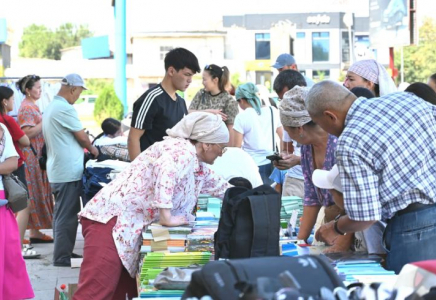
62	264
30	254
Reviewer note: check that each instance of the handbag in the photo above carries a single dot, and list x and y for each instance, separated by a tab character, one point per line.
16	192
43	159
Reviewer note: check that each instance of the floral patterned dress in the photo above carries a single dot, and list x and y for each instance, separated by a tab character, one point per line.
314	196
166	175
40	197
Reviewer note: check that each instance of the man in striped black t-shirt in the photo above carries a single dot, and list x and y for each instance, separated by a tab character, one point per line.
160	108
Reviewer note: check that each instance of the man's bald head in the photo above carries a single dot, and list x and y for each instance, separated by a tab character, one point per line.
328	95
328	103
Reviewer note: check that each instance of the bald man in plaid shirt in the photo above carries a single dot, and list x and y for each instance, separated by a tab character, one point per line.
386	154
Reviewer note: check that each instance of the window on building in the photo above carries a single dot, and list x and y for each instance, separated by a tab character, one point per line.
164	50
320	46
345	47
263	46
300	47
321	74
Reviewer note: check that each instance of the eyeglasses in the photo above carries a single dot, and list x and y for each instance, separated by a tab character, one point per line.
223	149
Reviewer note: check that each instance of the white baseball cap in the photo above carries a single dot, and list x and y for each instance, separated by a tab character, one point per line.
74	80
327	179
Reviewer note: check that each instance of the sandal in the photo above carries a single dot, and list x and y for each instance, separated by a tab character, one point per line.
30	254
27	247
44	240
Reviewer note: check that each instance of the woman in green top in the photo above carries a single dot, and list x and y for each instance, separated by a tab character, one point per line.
214	98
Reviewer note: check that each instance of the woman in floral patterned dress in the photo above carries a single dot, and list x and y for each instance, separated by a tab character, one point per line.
40	198
162	184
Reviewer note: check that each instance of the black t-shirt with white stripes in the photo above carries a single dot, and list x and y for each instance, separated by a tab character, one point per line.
155	111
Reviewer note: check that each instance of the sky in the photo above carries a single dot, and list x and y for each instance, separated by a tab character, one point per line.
165	15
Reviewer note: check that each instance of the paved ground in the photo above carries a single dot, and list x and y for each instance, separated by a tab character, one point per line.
44	276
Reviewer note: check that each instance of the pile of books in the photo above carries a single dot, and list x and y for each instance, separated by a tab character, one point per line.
365	271
207	203
202	237
161	238
154	262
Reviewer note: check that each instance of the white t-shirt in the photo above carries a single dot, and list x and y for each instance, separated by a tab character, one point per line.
294	172
235	162
9	150
257	132
107	141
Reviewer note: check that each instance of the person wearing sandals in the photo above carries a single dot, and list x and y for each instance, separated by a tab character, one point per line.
14	280
40	197
19	139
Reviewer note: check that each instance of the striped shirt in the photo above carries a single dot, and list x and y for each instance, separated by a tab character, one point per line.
155	111
386	156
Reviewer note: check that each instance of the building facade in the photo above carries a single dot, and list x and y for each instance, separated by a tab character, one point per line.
320	42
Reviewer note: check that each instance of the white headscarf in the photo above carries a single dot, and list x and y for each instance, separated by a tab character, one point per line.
201	126
373	71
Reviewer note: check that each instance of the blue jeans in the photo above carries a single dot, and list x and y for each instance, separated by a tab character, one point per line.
410	237
265	172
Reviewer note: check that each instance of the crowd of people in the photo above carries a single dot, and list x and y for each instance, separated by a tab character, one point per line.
360	154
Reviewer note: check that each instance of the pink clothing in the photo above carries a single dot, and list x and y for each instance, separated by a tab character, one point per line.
14	280
166	175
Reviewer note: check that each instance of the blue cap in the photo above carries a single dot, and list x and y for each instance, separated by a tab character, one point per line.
283	60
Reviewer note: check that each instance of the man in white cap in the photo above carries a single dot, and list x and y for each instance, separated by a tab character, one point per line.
368	240
65	140
286	61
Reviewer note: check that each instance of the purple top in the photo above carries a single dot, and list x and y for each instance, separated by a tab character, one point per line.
314	196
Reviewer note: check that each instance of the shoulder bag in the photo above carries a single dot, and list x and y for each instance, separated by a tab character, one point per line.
16	192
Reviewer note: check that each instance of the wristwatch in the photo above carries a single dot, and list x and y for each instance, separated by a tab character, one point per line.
336	225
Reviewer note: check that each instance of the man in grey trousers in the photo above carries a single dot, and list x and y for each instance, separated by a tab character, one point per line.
65	140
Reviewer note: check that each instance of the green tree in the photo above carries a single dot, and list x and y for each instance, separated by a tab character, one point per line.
38	41
419	61
96	85
108	105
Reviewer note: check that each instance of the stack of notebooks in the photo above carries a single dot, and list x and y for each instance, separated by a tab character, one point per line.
202	236
161	238
289	204
154	262
210	204
202	202
363	270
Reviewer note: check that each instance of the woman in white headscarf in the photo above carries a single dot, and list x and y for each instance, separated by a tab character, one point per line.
161	185
372	75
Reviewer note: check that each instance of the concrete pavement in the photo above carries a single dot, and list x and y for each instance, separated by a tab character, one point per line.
44	276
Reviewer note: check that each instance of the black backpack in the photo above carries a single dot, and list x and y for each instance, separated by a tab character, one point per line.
250	223
307	275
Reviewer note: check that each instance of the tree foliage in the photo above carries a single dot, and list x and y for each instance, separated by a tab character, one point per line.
420	61
108	105
38	41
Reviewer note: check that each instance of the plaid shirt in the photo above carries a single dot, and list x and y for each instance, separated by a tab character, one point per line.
386	156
